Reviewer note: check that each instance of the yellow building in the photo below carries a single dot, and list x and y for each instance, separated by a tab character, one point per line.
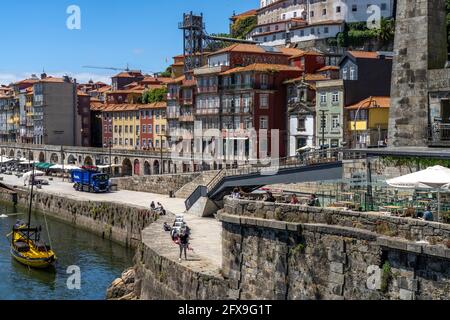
368	122
125	125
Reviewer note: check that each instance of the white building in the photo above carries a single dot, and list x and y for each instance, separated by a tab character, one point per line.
281	22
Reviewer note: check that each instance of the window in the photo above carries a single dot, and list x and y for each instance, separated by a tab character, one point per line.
301	124
264	122
137	129
313	31
383	6
263	101
354	8
264	80
335	97
324	12
335	122
334	143
144	129
323	97
131	129
312	14
126	129
106	128
126	141
110	128
301	142
131	142
325	30
115	129
338	9
345	74
157	128
150	128
115	141
352	73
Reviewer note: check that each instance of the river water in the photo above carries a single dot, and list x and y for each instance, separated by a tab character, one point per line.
100	262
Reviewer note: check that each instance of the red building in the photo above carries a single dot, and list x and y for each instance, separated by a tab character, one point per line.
308	61
84	116
147	124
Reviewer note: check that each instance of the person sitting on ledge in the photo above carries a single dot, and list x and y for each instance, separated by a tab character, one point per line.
294	199
428	215
313	201
269	197
167	227
235	194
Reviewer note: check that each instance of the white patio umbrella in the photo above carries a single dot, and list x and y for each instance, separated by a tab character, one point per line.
37	173
436	177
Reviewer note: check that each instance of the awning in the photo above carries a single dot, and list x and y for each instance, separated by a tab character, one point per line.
432	178
44	165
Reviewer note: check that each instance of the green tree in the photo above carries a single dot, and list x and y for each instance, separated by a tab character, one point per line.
154	95
386	32
167	73
243	26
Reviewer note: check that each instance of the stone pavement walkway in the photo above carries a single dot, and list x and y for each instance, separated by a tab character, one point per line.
206	236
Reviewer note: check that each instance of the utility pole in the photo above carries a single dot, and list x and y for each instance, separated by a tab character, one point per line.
323	126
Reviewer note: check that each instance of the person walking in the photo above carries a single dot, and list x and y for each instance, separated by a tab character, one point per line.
152	205
184	244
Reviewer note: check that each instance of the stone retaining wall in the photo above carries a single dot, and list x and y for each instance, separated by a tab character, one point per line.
410	229
114	221
160	184
271	259
160	276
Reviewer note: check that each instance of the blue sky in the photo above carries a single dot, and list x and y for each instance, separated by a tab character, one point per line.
143	33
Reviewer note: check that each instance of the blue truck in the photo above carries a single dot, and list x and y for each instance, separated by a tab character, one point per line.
90	181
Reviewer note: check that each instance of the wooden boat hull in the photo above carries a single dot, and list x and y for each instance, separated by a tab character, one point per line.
38	263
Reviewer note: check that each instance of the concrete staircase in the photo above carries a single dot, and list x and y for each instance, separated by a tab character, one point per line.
203	180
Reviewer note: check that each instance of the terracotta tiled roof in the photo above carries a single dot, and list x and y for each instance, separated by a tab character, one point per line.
291	51
27	81
104	89
52	79
308	77
245	14
371	102
128	74
155	105
262	67
82	94
327	68
97	105
247	48
364	54
176	80
306	53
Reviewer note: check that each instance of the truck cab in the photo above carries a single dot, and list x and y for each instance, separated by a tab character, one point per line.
90	180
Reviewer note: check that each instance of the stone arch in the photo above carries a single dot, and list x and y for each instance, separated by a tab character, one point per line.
147	168
11	153
156	165
3	152
19	154
54	158
88	161
136	167
71	159
31	156
41	157
127	168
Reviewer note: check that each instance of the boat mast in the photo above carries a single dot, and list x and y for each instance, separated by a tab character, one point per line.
31	202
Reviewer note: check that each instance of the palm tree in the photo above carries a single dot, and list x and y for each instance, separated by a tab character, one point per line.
387	30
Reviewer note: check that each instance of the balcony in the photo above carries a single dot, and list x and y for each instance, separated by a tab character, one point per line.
207	111
171	96
209	89
186	118
439	135
172	115
187	101
242	86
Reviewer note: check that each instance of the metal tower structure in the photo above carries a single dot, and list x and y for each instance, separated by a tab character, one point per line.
196	39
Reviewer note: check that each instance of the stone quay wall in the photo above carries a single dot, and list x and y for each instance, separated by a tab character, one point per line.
120	223
405	228
270	259
159	184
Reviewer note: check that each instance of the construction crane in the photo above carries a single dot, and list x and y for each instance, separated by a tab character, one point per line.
127	69
196	39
